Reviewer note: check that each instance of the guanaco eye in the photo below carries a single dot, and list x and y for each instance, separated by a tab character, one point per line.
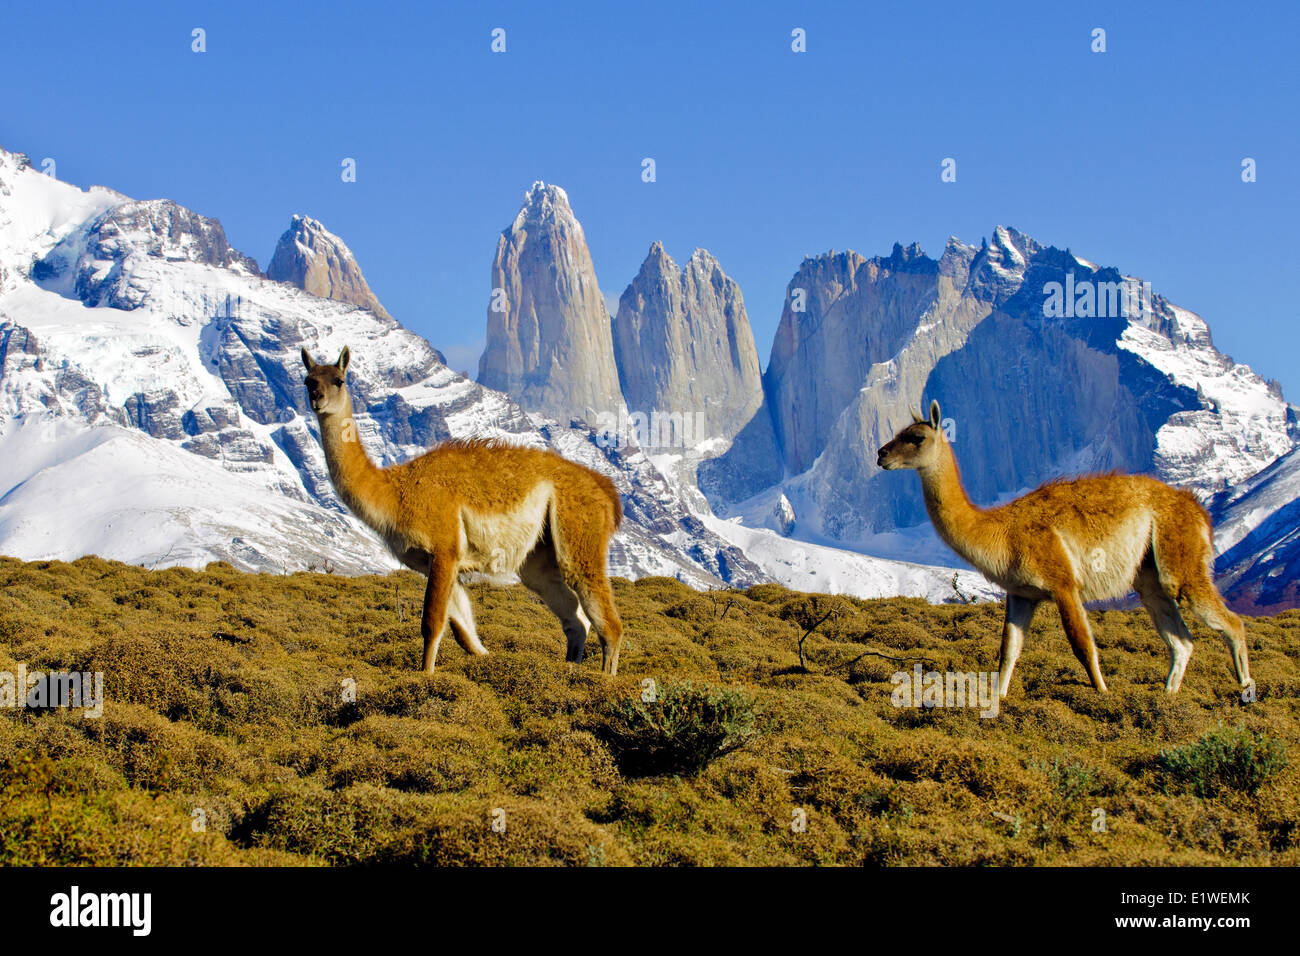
338	383
913	439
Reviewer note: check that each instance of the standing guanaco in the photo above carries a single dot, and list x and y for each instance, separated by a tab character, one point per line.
480	505
1087	539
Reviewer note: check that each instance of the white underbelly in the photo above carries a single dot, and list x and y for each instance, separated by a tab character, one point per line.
1105	568
498	543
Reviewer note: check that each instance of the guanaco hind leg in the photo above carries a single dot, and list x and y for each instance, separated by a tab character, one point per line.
541	574
598	601
1209	607
1168	623
1183	560
580	552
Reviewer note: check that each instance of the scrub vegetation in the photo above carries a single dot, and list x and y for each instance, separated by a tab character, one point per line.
261	719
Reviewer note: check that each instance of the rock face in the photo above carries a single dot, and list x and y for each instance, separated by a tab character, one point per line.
1257	532
842	314
310	257
549	344
683	346
1030	389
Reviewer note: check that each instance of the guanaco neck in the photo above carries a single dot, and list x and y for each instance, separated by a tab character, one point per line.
970	531
364	487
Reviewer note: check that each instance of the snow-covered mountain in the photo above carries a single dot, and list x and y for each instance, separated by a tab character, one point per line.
1044	364
151	406
1258	538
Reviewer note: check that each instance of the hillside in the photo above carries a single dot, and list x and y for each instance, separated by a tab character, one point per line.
224	693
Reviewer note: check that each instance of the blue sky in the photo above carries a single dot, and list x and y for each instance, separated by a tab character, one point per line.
1131	157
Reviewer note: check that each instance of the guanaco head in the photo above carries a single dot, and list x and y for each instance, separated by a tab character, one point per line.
916	446
326	383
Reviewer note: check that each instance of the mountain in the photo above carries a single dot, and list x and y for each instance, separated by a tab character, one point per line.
315	260
843	314
151	406
1257	534
152	411
1044	364
684	349
549	343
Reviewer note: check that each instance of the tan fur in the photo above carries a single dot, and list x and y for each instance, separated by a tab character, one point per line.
480	505
1071	541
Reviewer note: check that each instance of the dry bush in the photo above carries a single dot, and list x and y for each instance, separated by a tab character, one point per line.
228	694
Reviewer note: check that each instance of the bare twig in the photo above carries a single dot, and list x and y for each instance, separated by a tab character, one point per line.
158	561
809	632
888	657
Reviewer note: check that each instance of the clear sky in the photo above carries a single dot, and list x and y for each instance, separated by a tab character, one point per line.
1130	157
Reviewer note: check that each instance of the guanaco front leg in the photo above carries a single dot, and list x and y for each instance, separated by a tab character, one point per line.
460	615
1020	613
442	575
1075	621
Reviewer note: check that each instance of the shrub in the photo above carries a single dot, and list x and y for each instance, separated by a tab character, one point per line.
1234	758
1071	779
812	612
681	731
357	825
768	593
222	694
697	609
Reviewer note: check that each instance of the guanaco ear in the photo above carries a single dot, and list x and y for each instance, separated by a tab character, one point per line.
306	359
916	417
934	415
344	358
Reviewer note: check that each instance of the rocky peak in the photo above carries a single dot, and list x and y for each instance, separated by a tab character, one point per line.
843	313
684	346
1015	244
167	230
315	260
98	262
549	343
909	258
545	207
999	267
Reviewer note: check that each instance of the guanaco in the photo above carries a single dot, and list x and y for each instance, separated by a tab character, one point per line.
480	505
1088	539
